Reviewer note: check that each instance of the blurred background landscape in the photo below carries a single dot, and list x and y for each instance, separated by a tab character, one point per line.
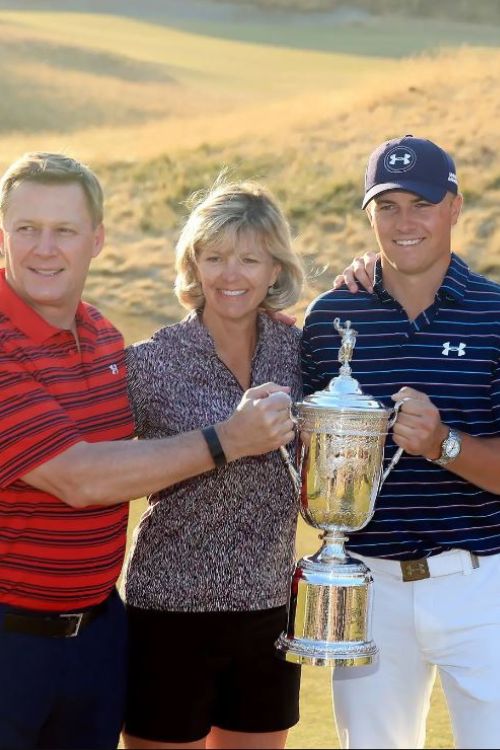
159	95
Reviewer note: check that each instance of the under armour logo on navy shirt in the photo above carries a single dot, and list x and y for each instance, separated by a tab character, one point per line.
460	349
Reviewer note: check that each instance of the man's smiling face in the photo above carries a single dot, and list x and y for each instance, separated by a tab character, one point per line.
413	234
49	240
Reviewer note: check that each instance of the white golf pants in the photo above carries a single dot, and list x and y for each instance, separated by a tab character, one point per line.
449	622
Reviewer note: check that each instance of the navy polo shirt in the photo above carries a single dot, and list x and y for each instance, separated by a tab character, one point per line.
451	352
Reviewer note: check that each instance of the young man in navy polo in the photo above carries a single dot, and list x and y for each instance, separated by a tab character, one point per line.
428	335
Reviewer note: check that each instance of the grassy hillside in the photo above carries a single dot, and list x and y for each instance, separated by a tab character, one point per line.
351	28
485	11
159	112
315	165
68	72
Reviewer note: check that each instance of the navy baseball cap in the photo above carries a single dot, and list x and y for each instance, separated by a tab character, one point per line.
413	164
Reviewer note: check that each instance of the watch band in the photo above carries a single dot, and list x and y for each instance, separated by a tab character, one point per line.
214	446
450	448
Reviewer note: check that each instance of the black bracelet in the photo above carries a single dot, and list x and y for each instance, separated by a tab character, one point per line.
214	446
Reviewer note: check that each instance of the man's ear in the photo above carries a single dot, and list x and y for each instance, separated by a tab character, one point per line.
99	237
369	213
456	207
1	241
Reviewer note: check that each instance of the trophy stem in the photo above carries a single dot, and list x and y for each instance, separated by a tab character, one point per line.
332	549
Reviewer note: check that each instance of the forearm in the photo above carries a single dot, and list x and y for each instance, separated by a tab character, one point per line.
111	472
420	431
479	462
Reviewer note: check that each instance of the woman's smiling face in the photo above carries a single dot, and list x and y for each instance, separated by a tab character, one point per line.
235	274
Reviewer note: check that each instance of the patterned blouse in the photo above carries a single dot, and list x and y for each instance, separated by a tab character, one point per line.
222	541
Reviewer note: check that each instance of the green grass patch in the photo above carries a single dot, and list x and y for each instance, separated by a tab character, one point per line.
377	36
482	11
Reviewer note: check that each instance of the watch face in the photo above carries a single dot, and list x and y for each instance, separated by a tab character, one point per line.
452	447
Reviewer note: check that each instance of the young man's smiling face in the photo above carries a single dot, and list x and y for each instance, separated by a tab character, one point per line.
413	234
49	239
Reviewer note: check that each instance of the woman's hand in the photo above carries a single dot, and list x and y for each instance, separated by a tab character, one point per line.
261	422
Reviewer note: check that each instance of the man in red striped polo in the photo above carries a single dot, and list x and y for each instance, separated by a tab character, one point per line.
68	466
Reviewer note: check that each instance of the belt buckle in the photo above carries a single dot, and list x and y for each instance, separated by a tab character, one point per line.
78	617
414	570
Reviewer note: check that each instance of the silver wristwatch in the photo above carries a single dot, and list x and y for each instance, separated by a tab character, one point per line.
450	448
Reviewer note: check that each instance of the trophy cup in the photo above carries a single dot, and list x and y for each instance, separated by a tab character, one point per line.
342	435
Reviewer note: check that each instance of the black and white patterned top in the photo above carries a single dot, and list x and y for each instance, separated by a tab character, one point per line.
222	541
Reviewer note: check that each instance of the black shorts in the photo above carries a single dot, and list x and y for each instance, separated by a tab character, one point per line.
189	671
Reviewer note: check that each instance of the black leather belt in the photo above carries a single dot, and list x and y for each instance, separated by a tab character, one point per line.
50	624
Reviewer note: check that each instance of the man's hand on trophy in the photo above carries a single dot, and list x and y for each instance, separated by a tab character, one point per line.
358	274
261	423
418	428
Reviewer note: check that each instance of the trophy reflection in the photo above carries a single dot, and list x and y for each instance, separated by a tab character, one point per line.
342	434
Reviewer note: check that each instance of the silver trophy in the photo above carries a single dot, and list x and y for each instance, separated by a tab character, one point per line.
342	435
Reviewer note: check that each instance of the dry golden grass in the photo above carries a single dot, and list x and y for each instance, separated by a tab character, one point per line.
315	165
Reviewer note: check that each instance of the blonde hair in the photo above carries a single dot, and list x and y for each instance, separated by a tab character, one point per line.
233	209
53	169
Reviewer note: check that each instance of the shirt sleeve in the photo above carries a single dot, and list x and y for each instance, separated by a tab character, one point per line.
34	427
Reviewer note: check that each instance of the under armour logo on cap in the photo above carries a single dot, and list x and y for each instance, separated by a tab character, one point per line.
400	159
413	164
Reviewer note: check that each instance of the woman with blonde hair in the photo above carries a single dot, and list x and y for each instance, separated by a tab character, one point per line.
207	579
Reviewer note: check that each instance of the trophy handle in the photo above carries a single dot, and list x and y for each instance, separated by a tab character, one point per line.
294	473
395	412
399	451
391	466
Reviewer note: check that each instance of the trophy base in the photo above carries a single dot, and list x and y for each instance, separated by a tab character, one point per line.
325	654
329	617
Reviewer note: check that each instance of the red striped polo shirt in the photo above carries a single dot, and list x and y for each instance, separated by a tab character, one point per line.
52	556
